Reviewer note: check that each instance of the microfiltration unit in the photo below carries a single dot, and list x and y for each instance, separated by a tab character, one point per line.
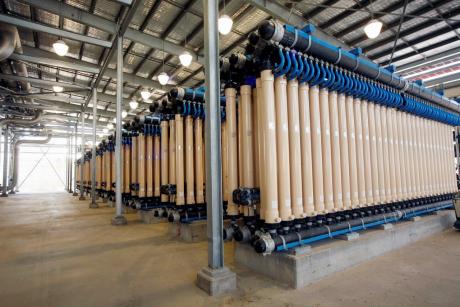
316	142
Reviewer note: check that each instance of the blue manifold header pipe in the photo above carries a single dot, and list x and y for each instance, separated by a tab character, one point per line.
303	41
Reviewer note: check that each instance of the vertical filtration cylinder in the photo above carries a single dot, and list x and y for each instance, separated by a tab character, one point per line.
141	169
401	150
352	154
246	141
335	152
386	155
306	151
367	154
262	162
295	157
317	152
360	152
373	147
149	164
127	171
397	164
326	150
255	134
134	161
344	157
232	150
189	161
172	155
224	146
199	166
282	149
164	157
156	166
179	129
268	123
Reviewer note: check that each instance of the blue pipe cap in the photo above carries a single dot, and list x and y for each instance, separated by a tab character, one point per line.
309	28
356	51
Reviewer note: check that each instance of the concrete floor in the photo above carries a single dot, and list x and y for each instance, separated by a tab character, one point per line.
54	252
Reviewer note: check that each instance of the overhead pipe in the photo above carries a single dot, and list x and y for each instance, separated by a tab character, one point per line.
304	41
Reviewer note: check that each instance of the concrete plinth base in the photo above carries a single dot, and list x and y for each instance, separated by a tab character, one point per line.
327	257
216	281
147	217
93	205
191	232
387	226
348	237
119	220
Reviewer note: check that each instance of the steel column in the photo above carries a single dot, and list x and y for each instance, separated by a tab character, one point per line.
93	203
119	219
215	278
5	163
74	161
82	158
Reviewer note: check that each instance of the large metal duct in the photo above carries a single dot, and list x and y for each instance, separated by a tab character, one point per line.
8	39
19	121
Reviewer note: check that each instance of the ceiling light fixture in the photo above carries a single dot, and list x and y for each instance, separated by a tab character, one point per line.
185	58
373	28
145	94
225	24
133	104
57	88
60	47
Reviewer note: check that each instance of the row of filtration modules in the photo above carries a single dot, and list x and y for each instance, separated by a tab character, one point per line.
311	136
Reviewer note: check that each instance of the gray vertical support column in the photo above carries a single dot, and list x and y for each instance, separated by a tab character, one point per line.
74	161
67	167
5	163
70	163
93	203
119	218
215	278
82	169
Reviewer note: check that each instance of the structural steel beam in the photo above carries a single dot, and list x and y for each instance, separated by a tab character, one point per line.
44	82
443	80
81	16
22	23
431	60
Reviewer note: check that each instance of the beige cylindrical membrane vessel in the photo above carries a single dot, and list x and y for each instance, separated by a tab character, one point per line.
367	154
199	169
156	166
352	155
326	150
360	152
172	155
316	148
295	158
268	123
141	167
246	142
232	150
189	162
134	160
164	158
335	152
282	149
261	131
224	146
344	157
373	148
306	150
149	165
180	185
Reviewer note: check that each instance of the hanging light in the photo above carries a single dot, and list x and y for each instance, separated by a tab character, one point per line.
163	78
105	130
185	58
145	94
133	104
225	24
60	47
109	126
57	88
373	28
124	114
